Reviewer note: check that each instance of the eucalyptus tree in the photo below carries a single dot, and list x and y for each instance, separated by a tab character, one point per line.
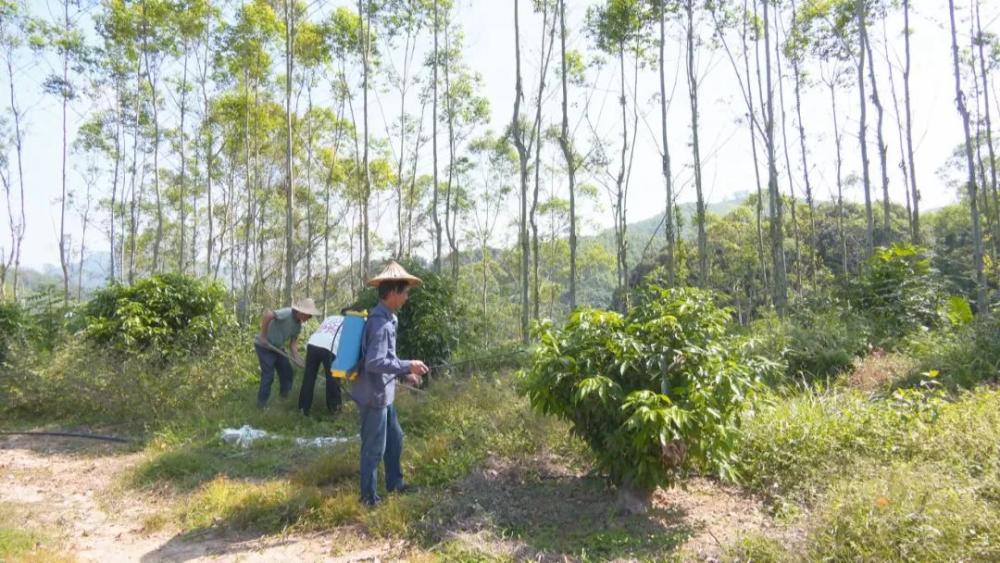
547	47
464	109
837	29
775	203
67	39
496	164
731	16
617	27
571	66
312	51
915	193
15	27
692	82
404	22
517	135
795	52
963	111
190	23
986	65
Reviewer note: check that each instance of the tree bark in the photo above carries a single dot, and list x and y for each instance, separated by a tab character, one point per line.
882	148
434	141
668	216
977	236
915	194
517	134
777	216
863	131
984	74
696	149
569	156
63	251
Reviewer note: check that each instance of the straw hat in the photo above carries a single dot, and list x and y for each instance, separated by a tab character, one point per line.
395	272
306	306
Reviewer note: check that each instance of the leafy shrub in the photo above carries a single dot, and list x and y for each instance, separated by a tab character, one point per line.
169	314
12	327
965	357
793	447
655	393
813	344
82	382
430	323
899	292
907	514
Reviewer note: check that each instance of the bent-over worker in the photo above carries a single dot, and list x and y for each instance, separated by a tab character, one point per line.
276	328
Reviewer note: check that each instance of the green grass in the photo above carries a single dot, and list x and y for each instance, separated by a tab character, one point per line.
20	544
906	513
905	477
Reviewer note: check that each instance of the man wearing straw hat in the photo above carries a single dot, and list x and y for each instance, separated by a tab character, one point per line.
277	327
375	388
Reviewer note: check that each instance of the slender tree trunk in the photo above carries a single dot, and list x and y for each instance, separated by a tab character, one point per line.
977	236
289	169
840	182
915	194
695	147
567	150
668	216
984	72
546	58
810	200
450	203
796	234
63	251
777	225
115	176
882	148
434	142
899	130
133	218
83	241
863	131
183	171
19	149
366	54
753	126
209	159
522	154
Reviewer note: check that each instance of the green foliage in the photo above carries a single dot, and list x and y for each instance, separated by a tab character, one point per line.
12	327
910	513
656	393
169	314
431	322
794	448
813	344
965	356
898	292
80	381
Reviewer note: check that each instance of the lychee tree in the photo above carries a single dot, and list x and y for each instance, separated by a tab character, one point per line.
657	394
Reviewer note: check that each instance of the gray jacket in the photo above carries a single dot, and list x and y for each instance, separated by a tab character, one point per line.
375	386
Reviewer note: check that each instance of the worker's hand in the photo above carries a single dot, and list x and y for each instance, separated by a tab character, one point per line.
418	368
413	379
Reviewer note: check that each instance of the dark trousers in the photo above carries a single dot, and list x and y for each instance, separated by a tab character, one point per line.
271	361
315	357
381	441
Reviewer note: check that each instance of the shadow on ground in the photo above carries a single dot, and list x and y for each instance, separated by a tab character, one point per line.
542	511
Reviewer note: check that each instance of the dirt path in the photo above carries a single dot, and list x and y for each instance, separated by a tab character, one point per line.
65	490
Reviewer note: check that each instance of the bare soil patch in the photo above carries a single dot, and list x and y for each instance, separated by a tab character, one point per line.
67	488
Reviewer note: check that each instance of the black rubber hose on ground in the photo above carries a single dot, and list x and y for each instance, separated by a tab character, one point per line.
70	435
